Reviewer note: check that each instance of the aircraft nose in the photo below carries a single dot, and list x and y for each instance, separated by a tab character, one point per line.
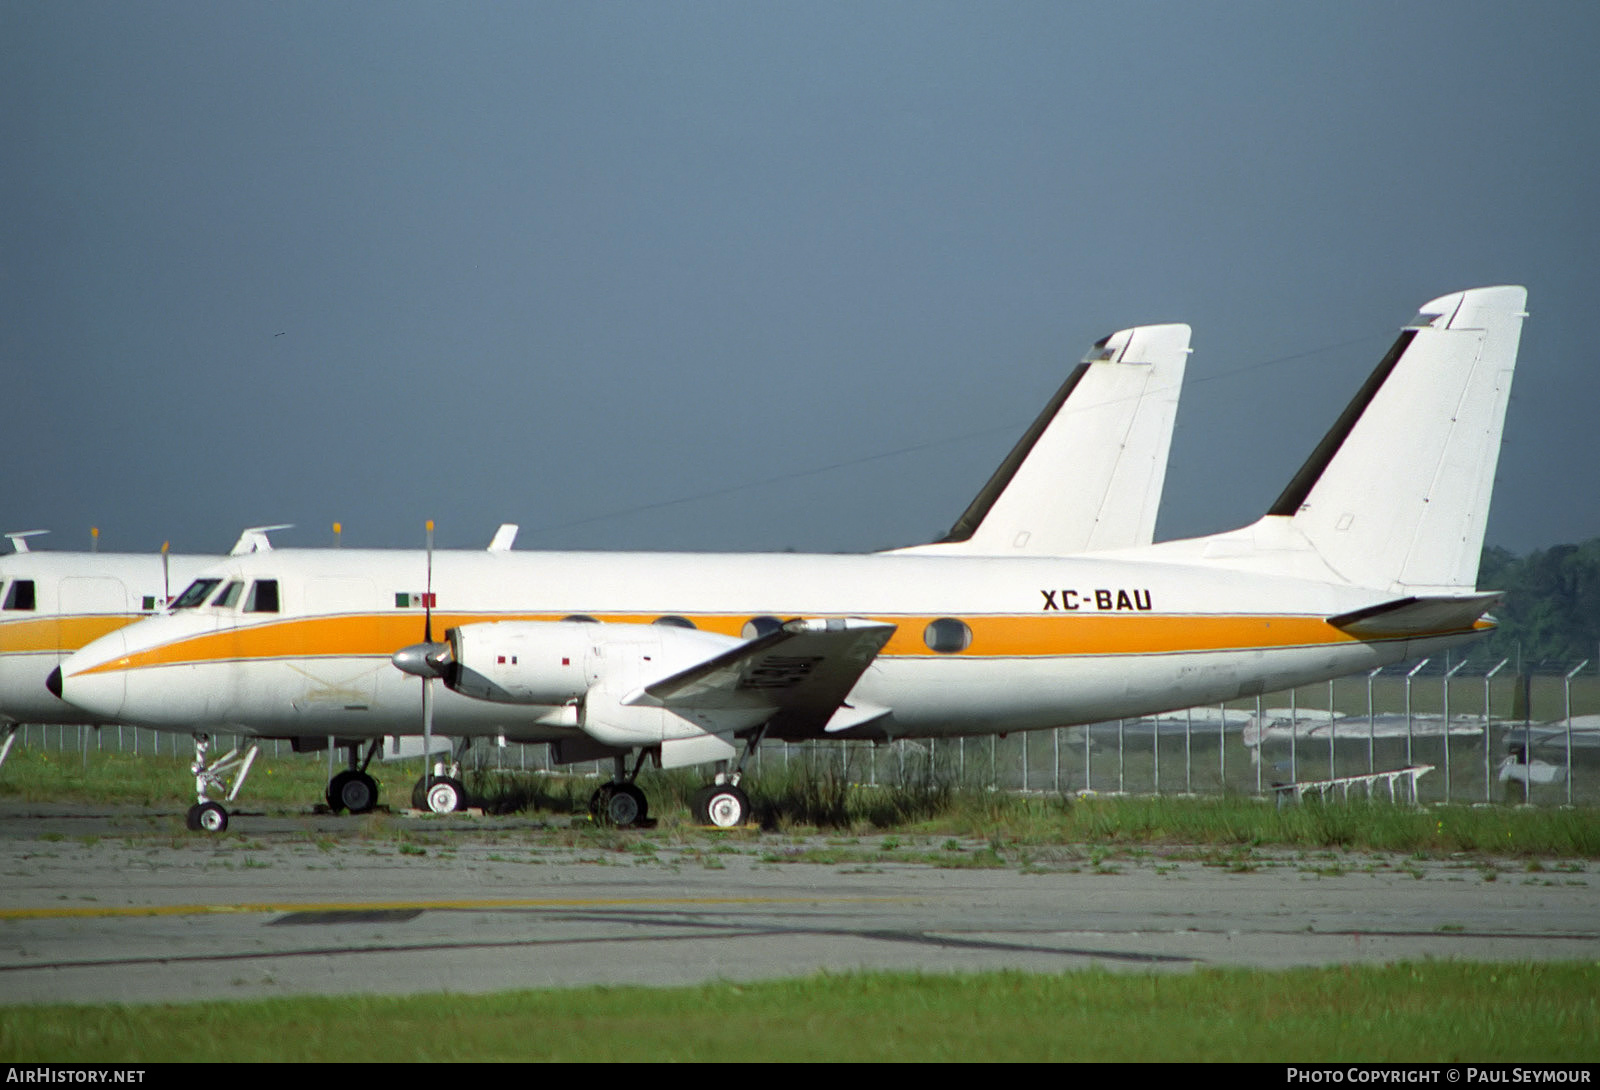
102	692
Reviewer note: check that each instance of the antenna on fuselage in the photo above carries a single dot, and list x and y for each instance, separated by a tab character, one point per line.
166	576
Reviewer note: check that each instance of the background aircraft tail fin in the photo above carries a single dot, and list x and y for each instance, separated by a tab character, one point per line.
1087	474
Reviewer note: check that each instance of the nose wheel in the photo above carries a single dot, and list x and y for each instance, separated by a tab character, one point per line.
226	774
206	817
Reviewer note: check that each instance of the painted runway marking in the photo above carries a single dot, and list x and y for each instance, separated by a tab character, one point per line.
101	911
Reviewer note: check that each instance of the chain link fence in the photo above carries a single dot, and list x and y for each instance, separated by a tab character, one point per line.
1480	732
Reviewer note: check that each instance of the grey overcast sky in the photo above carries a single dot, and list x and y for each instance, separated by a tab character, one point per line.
752	275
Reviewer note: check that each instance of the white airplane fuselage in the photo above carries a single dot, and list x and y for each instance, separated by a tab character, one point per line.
72	599
1052	641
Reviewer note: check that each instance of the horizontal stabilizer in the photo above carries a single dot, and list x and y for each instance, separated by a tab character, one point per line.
802	672
1416	616
255	540
19	539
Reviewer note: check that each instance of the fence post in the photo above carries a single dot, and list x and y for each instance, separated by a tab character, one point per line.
1488	790
1568	685
1412	674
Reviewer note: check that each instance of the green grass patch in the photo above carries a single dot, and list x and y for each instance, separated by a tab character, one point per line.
1440	1012
36	774
809	797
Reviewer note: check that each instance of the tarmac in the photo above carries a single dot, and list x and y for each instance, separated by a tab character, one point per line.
119	904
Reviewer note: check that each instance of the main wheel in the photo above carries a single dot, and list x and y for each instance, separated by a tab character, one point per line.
206	817
623	806
445	796
353	791
726	806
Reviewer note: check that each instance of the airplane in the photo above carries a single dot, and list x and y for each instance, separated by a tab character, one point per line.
1369	556
52	603
1087	474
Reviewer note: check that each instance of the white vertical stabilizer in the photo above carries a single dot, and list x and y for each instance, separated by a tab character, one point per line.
1087	475
1396	496
1405	502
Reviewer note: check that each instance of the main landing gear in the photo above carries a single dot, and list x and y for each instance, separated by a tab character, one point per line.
206	815
620	803
721	803
441	791
353	789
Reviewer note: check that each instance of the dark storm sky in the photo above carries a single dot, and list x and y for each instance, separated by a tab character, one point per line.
809	268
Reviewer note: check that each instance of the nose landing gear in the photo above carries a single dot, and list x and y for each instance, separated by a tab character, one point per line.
206	815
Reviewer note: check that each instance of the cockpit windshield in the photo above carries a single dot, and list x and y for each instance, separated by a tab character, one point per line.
229	595
198	592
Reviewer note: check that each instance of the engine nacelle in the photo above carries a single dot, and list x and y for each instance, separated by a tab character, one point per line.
521	662
560	662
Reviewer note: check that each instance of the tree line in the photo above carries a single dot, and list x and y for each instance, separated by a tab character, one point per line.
1551	606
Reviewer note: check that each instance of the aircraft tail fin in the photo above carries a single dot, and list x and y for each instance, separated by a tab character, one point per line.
1087	475
1397	493
1396	496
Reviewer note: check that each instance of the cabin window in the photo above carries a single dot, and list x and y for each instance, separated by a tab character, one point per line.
197	592
583	618
229	597
263	597
672	620
947	636
20	595
757	627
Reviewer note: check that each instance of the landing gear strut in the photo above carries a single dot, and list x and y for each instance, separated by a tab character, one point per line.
207	816
353	789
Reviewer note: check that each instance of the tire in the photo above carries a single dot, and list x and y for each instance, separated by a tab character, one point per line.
697	805
625	806
726	806
356	792
209	817
445	796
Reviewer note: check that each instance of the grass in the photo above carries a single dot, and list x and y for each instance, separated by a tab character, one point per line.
809	797
1442	1012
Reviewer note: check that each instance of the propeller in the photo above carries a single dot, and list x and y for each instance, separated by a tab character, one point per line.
427	660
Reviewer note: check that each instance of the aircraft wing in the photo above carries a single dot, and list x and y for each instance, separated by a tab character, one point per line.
802	672
1415	616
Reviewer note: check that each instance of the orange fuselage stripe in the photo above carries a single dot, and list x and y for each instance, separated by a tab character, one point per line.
59	634
380	635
